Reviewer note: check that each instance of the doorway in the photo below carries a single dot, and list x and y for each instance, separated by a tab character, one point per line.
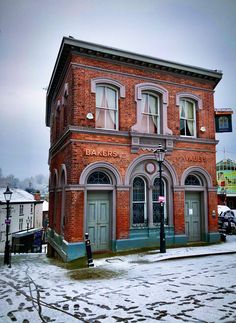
98	220
193	216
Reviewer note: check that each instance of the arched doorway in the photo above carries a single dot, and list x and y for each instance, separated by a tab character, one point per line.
194	224
99	210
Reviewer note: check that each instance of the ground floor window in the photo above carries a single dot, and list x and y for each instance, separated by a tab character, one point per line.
145	202
139	201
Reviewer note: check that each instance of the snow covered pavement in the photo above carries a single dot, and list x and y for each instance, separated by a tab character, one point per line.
143	287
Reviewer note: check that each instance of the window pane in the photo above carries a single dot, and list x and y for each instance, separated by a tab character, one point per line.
100	118
190	113
192	180
153	104
138	213
189	128
138	189
99	95
182	127
111	98
98	178
110	119
144	103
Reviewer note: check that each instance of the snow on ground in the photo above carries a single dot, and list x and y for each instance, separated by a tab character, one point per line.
143	287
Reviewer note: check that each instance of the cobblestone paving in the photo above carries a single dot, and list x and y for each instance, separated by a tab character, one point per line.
187	290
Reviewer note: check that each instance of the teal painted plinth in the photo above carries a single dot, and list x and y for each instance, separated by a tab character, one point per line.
181	239
143	238
213	237
67	251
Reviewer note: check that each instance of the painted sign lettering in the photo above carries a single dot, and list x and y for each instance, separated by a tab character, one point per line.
101	153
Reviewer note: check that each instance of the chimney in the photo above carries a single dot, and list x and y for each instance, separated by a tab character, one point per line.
37	196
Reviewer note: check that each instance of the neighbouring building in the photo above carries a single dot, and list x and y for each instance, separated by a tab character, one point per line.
26	211
108	109
226	178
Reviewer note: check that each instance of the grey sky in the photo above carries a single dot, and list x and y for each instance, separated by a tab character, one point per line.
195	32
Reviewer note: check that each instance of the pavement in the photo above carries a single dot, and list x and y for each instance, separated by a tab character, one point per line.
227	247
146	286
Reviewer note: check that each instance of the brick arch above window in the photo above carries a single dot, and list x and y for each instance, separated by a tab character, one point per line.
204	176
163	94
187	95
102	80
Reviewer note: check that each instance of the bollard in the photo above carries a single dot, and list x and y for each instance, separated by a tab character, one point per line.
88	251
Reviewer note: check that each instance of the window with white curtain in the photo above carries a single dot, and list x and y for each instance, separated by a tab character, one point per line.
150	122
106	107
187	118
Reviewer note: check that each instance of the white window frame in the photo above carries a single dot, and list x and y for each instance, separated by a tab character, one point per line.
152	114
116	110
186	119
21	210
21	222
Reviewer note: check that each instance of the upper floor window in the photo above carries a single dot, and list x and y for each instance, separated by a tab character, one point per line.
187	118
21	209
106	107
20	224
151	109
150	113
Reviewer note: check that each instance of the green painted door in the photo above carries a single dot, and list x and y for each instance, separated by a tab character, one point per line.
193	216
98	225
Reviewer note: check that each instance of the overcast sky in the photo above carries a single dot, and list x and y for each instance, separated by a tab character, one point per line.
196	32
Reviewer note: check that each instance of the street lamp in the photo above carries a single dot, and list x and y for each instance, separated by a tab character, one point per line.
7	195
160	156
27	223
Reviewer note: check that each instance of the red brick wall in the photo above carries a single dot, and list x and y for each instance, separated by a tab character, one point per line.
122	214
72	149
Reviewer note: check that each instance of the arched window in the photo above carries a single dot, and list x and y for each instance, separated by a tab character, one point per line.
150	121
156	203
152	103
106	107
98	177
187	118
192	180
139	201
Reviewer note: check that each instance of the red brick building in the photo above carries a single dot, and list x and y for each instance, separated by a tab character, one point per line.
108	110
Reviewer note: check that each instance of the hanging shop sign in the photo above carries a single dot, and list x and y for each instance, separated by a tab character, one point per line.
223	120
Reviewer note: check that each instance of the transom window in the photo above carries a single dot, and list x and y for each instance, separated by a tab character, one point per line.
98	178
150	113
187	118
192	180
139	201
106	107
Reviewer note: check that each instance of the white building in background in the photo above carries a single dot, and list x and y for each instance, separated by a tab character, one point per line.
26	214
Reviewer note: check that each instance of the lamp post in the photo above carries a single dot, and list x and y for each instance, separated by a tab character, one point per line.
7	195
160	156
27	223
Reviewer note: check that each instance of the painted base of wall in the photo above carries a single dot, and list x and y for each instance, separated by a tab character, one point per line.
67	251
138	239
